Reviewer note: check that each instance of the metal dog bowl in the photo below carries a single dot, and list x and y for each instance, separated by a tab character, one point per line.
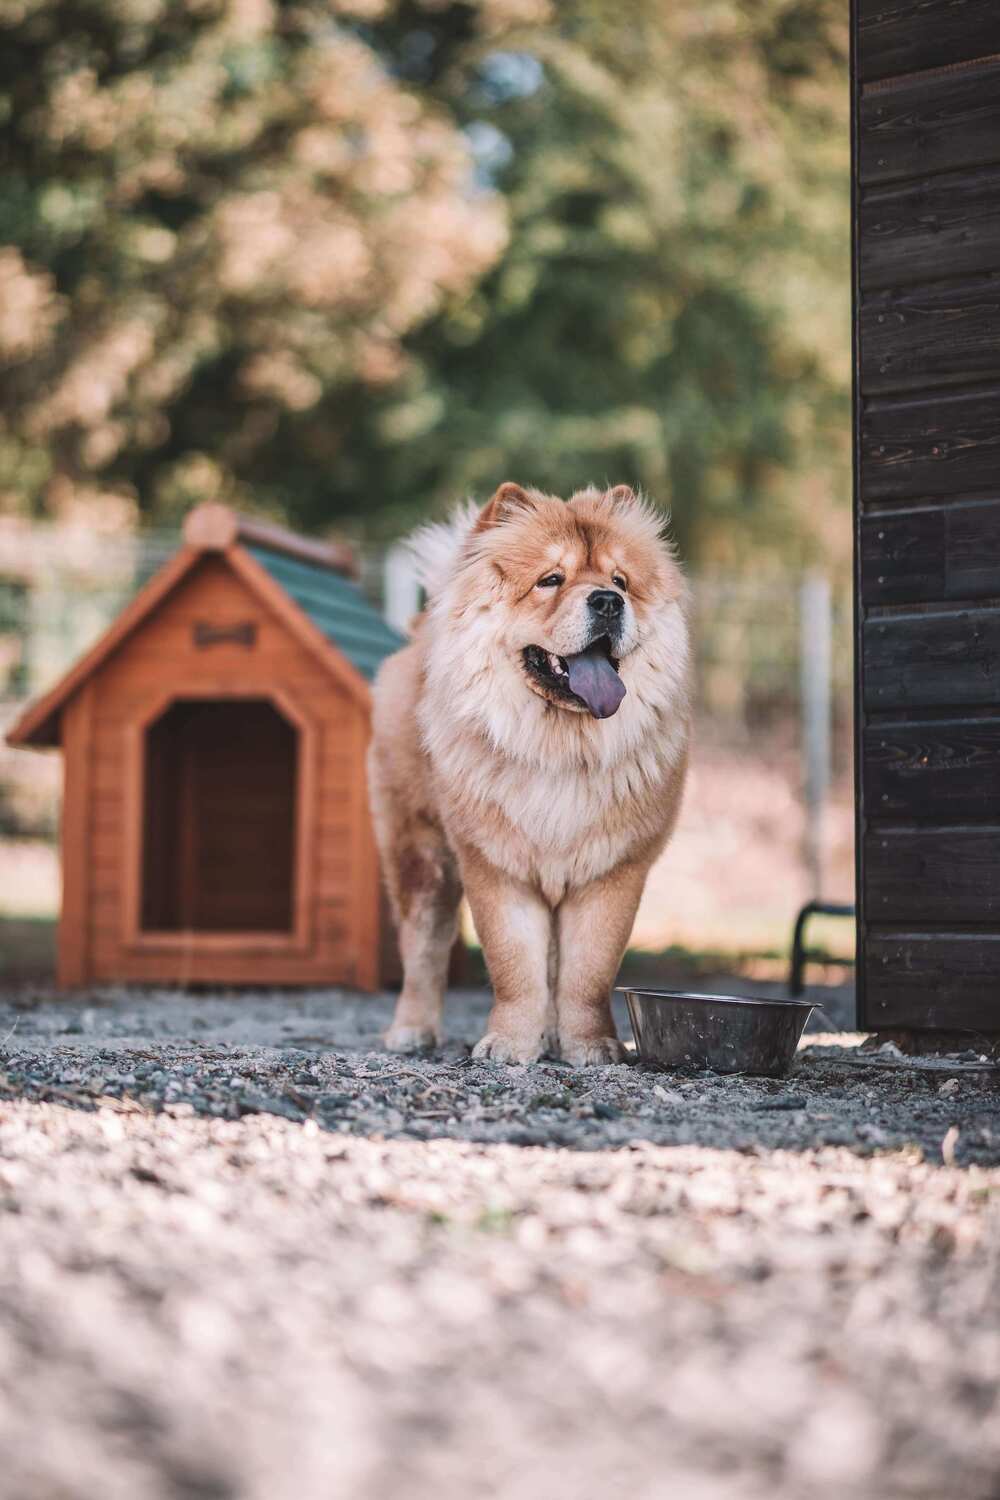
726	1033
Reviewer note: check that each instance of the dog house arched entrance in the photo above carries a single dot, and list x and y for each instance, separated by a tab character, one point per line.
220	841
218	808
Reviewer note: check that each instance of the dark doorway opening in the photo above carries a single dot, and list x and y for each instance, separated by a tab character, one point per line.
219	818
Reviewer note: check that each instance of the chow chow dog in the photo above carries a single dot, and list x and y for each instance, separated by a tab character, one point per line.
529	749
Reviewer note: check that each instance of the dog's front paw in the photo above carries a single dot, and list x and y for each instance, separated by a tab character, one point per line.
591	1052
498	1048
411	1038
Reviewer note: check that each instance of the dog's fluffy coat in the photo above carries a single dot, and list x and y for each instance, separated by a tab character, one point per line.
489	774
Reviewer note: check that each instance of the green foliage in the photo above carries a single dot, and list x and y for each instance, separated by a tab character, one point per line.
255	266
220	219
673	305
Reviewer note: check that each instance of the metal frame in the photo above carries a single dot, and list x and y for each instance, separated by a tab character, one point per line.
796	974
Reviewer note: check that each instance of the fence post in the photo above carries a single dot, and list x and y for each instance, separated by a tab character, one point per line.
815	658
401	587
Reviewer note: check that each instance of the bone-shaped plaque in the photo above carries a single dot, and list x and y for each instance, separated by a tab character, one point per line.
241	633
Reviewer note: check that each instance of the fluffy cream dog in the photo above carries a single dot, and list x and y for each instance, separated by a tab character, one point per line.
529	747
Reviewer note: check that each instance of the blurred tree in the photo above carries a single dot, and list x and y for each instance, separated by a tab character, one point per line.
246	256
217	217
673	305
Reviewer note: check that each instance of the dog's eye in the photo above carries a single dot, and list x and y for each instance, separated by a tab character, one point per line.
550	581
619	582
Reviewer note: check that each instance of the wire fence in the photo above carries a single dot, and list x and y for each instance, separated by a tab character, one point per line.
773	706
60	586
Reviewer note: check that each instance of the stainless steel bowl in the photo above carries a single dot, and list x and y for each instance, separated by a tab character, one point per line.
726	1033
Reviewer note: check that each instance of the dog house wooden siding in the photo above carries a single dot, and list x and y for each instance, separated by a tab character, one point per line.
926	204
246	661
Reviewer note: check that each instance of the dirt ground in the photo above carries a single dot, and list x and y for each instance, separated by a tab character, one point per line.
245	1253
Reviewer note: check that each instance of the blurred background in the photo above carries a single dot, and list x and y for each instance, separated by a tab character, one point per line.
341	264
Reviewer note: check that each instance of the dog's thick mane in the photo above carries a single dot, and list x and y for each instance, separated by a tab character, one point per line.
436	548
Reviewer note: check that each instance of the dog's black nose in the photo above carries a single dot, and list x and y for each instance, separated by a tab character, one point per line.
605	603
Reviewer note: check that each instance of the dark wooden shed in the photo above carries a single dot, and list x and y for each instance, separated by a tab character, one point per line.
926	108
215	817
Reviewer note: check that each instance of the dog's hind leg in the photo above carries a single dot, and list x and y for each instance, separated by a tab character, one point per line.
425	892
420	871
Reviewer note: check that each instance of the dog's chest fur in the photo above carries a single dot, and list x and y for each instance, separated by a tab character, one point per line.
555	827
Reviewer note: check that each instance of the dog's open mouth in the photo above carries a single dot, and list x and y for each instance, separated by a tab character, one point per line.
588	678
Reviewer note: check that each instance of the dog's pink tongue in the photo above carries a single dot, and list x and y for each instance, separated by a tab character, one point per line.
594	679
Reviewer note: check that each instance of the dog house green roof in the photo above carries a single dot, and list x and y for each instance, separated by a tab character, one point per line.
335	605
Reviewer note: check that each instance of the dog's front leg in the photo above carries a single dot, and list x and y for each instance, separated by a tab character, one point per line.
594	924
515	928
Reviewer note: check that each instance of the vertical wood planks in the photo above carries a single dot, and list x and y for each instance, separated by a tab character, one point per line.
74	923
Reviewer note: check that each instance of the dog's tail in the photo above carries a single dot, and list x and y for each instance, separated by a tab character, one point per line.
435	548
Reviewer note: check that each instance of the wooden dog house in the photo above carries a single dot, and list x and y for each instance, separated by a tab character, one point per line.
215	818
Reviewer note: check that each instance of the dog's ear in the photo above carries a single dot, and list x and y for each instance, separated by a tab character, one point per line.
621	497
509	501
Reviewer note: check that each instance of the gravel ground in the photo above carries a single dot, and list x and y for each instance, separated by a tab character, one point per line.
245	1253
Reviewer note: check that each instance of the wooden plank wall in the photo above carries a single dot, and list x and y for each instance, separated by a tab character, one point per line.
926	94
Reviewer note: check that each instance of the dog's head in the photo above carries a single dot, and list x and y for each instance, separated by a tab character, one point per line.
572	590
